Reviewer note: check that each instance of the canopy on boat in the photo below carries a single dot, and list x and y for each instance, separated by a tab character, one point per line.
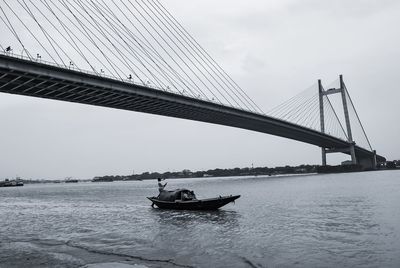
178	194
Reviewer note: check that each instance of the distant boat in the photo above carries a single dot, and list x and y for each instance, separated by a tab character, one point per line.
102	179
19	182
12	183
129	179
183	199
71	181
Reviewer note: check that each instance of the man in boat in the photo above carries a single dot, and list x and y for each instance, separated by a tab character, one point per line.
160	185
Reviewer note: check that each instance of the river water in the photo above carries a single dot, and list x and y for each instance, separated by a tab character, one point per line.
341	220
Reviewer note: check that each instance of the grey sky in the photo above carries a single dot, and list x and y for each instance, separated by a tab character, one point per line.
273	49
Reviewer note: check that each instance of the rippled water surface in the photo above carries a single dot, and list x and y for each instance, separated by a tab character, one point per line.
345	220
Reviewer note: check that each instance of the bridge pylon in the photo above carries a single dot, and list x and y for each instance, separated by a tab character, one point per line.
342	91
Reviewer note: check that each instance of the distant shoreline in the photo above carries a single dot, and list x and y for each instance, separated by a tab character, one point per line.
221	173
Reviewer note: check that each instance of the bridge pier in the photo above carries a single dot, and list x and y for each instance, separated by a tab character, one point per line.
368	163
323	150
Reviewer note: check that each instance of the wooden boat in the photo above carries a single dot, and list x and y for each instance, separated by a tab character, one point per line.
183	199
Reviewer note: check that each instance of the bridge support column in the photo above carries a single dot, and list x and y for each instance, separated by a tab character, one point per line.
323	150
347	119
322	117
342	90
353	153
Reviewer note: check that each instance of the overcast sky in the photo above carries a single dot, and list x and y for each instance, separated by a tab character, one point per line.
273	49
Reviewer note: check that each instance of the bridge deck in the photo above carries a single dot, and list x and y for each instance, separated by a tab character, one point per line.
29	78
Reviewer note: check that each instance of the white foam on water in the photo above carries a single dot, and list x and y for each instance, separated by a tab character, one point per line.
113	265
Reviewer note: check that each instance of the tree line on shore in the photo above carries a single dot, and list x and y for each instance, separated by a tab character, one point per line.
258	171
218	172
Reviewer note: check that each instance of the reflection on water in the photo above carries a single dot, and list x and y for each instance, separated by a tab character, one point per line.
347	220
186	219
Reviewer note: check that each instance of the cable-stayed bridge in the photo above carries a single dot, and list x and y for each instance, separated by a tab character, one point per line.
134	55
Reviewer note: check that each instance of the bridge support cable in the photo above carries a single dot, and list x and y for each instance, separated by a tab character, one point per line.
157	57
188	57
160	43
89	35
74	41
305	110
10	27
138	45
124	39
168	21
173	36
301	109
149	50
193	53
48	37
18	36
158	25
280	110
101	26
188	82
93	31
296	108
334	127
161	30
205	56
362	139
145	48
105	26
308	114
179	48
69	40
34	36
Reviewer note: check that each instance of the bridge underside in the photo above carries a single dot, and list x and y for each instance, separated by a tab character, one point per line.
35	79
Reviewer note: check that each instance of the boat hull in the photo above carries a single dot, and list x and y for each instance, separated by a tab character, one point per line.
204	204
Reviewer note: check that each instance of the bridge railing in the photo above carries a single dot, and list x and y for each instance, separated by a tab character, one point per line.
75	68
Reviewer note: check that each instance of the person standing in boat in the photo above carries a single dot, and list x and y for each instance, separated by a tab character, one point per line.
160	185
